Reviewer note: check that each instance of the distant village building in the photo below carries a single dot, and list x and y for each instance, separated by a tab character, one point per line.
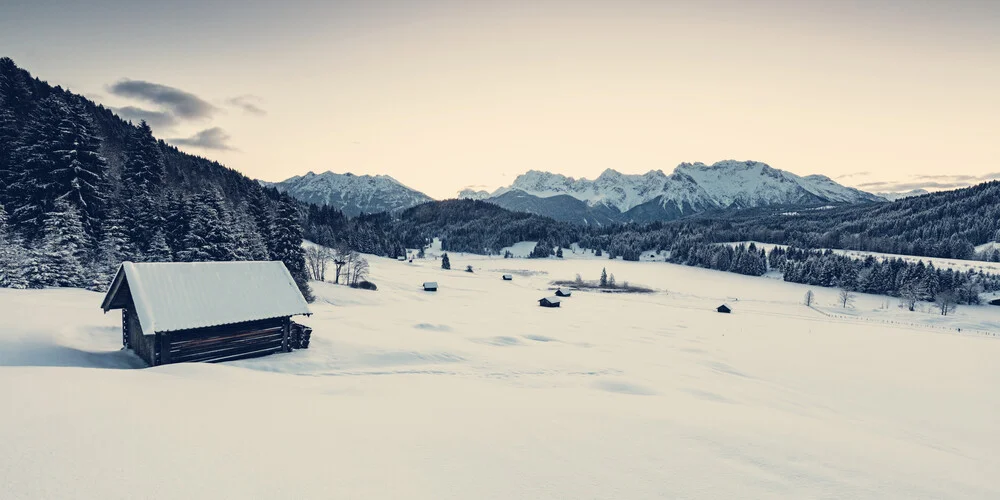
561	293
401	258
205	311
549	302
724	309
431	286
507	277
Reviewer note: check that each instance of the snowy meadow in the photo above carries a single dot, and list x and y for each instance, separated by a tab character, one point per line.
476	392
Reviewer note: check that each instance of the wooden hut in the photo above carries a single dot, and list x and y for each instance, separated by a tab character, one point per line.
508	277
549	302
430	286
723	309
561	293
205	311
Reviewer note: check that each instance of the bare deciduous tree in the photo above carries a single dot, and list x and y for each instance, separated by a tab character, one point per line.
809	298
945	302
317	260
846	297
359	270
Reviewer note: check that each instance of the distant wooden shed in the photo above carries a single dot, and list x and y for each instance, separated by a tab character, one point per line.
549	302
430	286
508	277
205	311
724	309
561	293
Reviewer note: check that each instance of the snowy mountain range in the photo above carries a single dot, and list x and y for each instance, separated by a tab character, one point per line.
904	194
691	188
351	194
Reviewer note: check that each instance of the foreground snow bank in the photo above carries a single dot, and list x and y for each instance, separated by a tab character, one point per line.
475	392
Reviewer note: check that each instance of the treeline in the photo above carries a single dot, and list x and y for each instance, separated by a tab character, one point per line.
82	190
894	277
741	259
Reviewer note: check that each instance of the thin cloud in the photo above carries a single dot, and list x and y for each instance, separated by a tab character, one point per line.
181	104
247	103
155	119
929	182
854	174
210	138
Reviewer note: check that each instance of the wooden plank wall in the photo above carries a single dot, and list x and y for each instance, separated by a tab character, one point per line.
225	343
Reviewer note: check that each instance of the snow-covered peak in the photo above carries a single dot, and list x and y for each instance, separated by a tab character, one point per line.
473	194
728	183
351	193
893	196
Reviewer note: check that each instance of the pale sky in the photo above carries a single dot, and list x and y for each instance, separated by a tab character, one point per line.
447	94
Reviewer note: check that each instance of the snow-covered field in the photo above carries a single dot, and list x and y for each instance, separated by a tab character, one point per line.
476	392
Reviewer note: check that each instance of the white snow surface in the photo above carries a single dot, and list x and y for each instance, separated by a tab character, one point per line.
722	184
172	296
476	392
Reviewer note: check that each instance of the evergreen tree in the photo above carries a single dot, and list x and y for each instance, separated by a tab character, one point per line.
445	262
32	187
143	166
209	234
604	277
559	252
79	168
286	245
12	257
63	247
158	250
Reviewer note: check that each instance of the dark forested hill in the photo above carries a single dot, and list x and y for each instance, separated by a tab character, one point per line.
943	224
81	190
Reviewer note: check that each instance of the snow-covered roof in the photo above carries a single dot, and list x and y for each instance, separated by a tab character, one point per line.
430	284
552	300
170	296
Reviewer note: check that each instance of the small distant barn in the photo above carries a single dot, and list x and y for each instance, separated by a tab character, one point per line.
561	293
430	286
549	302
507	277
995	302
401	258
205	311
724	309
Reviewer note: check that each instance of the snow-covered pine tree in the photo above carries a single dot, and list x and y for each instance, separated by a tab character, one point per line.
209	235
79	168
250	244
9	133
158	250
604	277
445	262
106	261
64	246
31	192
286	245
143	166
12	257
114	236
